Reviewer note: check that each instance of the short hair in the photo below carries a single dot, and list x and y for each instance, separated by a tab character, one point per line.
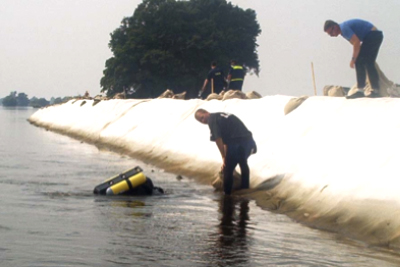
214	63
200	111
233	62
328	24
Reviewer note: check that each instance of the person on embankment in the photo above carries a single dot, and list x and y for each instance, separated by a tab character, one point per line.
216	78
235	143
236	76
366	40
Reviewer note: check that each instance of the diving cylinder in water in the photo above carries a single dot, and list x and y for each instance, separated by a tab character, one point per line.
126	184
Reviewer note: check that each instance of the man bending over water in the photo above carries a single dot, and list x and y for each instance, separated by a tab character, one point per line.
234	141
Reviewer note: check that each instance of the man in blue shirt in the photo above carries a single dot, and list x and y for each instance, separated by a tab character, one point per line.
366	41
236	76
217	81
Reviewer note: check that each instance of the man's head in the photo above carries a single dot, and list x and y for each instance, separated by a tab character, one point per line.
213	64
202	115
233	62
332	28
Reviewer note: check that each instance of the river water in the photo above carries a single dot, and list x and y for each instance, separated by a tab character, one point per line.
50	217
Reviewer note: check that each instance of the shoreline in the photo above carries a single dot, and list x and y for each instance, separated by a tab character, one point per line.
296	171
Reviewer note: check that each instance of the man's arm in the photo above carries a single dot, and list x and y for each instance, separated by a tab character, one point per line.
204	86
356	49
222	150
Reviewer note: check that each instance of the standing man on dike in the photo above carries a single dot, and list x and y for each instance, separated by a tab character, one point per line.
235	76
234	141
366	41
216	77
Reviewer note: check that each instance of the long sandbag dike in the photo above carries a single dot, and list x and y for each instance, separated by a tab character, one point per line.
331	163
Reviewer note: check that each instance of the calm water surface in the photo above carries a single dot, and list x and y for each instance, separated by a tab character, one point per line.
49	216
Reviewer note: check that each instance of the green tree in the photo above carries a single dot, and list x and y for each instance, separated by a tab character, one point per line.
169	44
38	102
22	100
10	100
57	100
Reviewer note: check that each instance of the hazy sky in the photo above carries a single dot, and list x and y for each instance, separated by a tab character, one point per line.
58	48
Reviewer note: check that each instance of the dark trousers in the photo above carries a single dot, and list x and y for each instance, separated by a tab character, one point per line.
235	85
365	62
238	153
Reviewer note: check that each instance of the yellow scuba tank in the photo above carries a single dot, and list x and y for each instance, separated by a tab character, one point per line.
121	183
126	184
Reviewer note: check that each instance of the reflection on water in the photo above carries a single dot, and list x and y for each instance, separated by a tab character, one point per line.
232	244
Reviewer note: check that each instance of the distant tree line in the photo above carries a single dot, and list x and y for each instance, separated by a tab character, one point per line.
22	100
169	44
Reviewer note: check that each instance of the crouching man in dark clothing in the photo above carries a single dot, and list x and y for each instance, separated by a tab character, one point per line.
234	141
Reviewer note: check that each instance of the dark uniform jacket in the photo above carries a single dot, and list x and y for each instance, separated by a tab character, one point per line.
218	79
228	127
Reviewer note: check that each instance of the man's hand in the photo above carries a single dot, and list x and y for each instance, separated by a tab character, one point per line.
356	49
352	63
200	93
223	166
